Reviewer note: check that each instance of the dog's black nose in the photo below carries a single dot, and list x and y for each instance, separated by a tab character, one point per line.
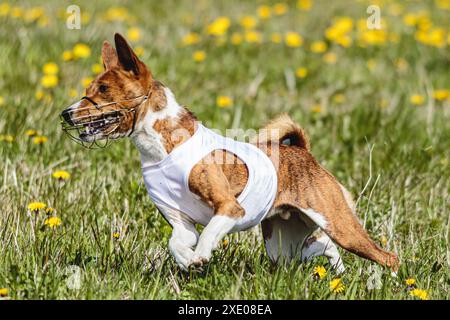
66	116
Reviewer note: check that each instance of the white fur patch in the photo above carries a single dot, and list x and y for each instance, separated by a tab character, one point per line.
317	217
324	246
147	140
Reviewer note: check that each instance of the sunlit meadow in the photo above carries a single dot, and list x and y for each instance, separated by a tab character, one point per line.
78	224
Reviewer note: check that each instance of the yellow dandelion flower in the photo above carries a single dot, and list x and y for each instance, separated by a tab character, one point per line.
139	51
293	39
421	294
304	5
53	222
276	37
61	175
17	12
253	36
39	94
371	64
36	206
219	26
40	140
50	68
330	58
373	37
199	56
441	94
34	14
264	12
339	31
434	37
7	138
97	68
30	133
134	34
417	99
5	8
67	55
248	22
117	14
225	243
236	38
43	21
49	210
116	235
191	38
2	101
301	72
410	282
85	82
81	50
4	292
339	98
383	238
317	108
49	81
337	286
410	19
280	8
443	4
224	101
73	93
320	272
318	47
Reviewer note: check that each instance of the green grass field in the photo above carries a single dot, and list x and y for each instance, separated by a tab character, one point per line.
375	104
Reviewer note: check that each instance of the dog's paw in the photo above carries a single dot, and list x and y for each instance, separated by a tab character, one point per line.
198	261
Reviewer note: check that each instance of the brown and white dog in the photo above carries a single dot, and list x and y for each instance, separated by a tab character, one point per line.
308	197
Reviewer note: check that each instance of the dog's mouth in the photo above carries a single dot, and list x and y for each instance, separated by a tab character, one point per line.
87	125
101	127
89	128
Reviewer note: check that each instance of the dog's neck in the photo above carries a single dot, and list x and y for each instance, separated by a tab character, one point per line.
157	133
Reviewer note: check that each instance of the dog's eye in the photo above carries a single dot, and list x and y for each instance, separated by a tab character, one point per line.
103	88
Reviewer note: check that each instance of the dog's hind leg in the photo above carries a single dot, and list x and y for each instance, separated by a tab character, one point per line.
321	245
313	190
338	221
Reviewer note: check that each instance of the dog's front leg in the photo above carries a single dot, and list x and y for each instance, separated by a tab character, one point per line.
209	181
184	236
217	228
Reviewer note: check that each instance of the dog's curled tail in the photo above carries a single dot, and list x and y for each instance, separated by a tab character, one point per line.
286	131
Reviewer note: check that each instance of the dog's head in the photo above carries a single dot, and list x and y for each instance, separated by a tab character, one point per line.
116	99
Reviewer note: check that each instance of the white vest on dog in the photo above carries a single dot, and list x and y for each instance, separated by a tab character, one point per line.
167	181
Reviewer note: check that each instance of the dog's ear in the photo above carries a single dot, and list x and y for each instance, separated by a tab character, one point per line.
109	56
127	57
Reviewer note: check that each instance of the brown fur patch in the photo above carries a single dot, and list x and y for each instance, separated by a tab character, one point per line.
168	129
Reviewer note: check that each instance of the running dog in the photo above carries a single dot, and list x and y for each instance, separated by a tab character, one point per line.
196	176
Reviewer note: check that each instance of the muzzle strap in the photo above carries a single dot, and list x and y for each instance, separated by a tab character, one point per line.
134	115
91	101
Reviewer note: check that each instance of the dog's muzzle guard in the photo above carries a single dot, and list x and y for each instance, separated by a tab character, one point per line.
86	128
